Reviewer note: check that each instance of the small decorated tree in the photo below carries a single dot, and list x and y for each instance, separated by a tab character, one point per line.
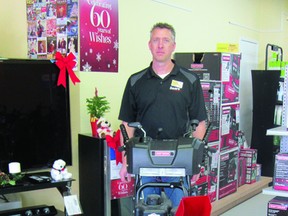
97	106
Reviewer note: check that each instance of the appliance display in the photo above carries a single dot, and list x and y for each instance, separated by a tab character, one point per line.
35	128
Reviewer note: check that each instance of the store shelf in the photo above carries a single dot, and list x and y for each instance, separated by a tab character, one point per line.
277	131
243	193
271	191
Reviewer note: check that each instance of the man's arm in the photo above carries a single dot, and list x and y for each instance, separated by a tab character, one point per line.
199	133
200	130
124	175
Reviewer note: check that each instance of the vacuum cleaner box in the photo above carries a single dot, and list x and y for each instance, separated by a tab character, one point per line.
280	172
228	173
278	206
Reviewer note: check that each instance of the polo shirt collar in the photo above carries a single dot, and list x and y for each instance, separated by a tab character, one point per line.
151	72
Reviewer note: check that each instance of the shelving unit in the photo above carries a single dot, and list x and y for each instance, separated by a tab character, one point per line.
62	186
280	131
271	191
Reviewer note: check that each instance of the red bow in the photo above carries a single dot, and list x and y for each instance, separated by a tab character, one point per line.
114	143
63	64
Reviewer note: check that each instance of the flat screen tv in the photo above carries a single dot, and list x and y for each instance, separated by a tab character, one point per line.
35	127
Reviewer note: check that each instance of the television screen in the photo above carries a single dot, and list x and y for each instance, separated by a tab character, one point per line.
34	115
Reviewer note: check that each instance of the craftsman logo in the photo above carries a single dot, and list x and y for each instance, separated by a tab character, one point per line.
162	153
224	157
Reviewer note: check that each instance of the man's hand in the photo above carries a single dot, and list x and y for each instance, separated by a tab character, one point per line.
124	175
195	178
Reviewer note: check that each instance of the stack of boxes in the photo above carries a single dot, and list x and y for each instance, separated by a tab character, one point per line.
250	158
220	74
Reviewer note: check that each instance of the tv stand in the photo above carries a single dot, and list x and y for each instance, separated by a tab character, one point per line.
27	185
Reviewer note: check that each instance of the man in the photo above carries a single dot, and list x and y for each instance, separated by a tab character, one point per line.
165	96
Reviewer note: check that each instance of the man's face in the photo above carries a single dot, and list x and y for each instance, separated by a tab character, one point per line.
161	45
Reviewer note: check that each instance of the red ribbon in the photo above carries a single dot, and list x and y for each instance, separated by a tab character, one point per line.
64	64
114	143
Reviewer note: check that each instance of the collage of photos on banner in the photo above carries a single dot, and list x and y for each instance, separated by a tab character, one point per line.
52	27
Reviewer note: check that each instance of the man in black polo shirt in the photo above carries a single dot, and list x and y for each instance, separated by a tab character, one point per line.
165	96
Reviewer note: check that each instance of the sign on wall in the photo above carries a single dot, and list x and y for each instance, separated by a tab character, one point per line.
99	41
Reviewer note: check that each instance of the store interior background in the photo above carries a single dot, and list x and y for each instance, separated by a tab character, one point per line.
199	25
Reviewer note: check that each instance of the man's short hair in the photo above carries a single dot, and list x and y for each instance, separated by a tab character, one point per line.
164	26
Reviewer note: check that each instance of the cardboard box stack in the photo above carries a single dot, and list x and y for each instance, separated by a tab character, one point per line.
220	75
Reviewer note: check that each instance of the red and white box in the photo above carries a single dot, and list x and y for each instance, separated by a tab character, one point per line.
121	189
230	91
230	119
251	174
250	155
251	164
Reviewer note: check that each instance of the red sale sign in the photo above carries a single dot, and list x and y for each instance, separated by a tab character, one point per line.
99	41
120	189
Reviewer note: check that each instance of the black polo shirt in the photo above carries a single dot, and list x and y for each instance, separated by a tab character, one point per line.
170	103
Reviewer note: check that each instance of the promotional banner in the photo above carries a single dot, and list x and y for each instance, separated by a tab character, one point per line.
99	35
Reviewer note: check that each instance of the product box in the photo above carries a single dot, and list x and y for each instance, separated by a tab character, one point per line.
207	65
213	173
228	183
278	206
212	97
251	173
230	118
200	187
208	179
224	67
231	84
121	189
280	172
241	171
250	155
